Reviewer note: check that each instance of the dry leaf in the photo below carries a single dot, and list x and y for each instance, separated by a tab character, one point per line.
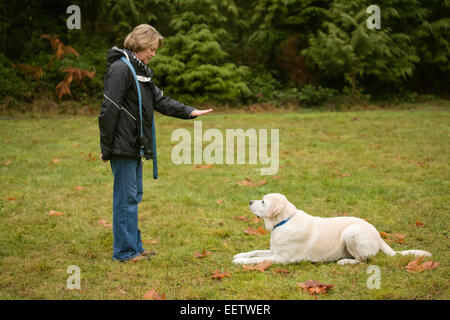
248	182
315	287
220	275
262	266
150	241
419	224
79	188
55	213
203	166
251	231
241	218
103	223
283	271
417	266
202	255
152	294
55	160
219	201
90	157
397	237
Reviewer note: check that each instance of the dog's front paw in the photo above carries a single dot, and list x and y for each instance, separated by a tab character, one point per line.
238	260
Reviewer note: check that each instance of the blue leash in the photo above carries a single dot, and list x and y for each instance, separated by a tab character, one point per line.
141	147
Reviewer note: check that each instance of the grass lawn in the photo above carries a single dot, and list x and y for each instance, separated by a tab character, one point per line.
390	167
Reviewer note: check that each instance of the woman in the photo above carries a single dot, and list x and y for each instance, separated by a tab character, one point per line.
120	132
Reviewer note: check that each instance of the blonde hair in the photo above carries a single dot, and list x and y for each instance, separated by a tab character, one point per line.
142	37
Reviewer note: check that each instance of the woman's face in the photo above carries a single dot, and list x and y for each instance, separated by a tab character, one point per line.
148	53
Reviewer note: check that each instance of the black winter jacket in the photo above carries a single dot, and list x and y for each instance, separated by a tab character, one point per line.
119	132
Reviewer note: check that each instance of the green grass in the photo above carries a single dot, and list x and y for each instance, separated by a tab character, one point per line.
398	166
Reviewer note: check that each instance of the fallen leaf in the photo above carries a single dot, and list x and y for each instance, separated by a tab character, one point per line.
55	213
250	231
283	271
152	294
150	241
242	218
55	160
202	255
220	275
248	182
203	166
103	223
79	188
419	224
397	237
262	266
315	287
262	231
90	157
417	266
7	163
12	199
219	201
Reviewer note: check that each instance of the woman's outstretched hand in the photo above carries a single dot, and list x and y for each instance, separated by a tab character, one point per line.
197	113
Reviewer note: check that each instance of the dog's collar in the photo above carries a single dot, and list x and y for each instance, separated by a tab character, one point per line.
281	223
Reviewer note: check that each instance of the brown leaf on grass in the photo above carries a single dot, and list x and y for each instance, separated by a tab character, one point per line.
203	166
103	223
55	160
150	241
55	213
283	271
220	275
90	157
247	182
242	218
79	188
390	237
417	266
341	174
315	287
419	224
152	294
219	202
262	266
202	255
251	231
376	146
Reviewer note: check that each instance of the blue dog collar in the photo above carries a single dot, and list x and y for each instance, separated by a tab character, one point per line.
281	223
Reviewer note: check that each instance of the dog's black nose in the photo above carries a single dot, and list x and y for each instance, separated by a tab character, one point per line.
250	202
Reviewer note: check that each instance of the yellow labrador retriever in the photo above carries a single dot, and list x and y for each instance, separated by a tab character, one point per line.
297	236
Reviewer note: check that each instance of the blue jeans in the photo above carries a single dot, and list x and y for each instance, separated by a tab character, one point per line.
127	194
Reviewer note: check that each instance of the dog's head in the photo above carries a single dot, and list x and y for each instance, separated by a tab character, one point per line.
273	207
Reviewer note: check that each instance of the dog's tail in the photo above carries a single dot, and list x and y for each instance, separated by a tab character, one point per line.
385	248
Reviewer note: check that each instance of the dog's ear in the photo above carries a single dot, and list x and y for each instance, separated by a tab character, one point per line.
275	208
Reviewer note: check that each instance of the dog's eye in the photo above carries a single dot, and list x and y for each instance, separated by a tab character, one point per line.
263	202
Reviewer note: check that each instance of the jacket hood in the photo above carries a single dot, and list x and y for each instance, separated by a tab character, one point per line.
116	53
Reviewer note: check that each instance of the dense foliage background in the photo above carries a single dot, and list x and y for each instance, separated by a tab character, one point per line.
301	52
